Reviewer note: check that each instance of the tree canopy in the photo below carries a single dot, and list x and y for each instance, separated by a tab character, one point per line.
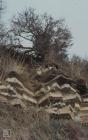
49	37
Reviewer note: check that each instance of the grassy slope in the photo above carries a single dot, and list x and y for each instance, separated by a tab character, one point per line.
33	124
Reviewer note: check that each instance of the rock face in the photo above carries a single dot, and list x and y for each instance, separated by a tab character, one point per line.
55	92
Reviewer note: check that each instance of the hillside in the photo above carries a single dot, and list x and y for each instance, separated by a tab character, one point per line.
41	103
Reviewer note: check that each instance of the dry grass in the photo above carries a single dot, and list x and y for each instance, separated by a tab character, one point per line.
28	125
9	64
34	124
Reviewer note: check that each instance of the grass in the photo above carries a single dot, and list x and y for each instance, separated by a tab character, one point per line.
10	63
34	124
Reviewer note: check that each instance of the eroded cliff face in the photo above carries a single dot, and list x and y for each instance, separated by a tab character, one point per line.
42	105
54	92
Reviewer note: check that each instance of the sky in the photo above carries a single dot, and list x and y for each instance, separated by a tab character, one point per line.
75	13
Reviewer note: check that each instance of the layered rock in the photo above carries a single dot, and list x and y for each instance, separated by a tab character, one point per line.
55	92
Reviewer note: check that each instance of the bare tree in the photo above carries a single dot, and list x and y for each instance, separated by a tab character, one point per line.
46	34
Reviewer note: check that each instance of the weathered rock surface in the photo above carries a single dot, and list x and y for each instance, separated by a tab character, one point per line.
55	92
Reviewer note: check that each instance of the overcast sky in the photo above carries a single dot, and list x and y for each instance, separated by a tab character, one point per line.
75	13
